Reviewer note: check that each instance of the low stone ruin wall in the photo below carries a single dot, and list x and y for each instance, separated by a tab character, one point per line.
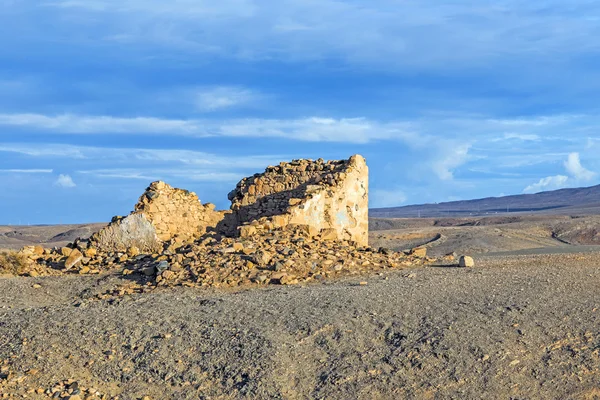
327	199
331	198
162	213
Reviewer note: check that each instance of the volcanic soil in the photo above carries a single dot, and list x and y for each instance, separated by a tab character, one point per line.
512	327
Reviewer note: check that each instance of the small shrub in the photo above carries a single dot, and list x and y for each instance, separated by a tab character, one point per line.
13	263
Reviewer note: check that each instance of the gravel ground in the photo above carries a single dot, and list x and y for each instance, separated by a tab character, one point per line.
513	327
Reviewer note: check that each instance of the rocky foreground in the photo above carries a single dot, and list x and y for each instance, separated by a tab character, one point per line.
512	327
292	255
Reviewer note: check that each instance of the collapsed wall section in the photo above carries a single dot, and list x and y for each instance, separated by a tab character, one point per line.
161	214
177	212
329	198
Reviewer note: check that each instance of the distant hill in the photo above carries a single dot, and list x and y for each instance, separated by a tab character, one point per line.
563	201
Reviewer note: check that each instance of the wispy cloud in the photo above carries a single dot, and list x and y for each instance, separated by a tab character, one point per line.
313	129
148	175
144	164
519	136
27	171
352	130
387	198
465	137
413	33
75	124
210	99
141	155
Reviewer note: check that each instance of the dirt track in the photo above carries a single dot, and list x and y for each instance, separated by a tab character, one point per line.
521	327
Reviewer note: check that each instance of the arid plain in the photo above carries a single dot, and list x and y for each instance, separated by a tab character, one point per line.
523	323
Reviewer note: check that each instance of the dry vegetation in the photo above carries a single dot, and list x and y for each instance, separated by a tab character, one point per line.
13	263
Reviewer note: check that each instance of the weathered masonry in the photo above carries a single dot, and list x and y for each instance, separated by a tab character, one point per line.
328	199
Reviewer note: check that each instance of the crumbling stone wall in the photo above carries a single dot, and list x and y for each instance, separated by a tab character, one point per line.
176	212
161	214
329	198
121	234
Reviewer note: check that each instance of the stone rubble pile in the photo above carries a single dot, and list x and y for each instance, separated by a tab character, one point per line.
291	255
297	222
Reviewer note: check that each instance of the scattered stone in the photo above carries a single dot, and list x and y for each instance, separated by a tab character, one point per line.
420	252
91	252
133	251
148	271
74	257
466	261
162	266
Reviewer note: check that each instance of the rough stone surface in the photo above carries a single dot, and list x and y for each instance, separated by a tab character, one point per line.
330	197
176	212
74	257
162	213
466	261
134	230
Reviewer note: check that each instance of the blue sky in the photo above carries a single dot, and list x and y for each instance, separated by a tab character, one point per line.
447	100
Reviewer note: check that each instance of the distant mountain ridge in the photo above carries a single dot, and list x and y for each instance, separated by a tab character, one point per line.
585	200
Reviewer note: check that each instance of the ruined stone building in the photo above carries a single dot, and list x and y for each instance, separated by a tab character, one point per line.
329	199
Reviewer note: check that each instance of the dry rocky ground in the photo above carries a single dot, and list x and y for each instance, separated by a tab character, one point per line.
16	237
521	327
486	235
280	316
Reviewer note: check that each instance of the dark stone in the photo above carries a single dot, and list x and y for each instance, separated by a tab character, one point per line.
278	266
162	266
385	251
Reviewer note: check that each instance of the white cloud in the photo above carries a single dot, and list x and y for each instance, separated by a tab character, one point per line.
76	124
65	181
140	155
148	164
386	198
519	136
577	175
450	158
443	143
351	130
576	170
28	171
422	33
44	150
314	129
222	97
190	174
442	156
548	183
